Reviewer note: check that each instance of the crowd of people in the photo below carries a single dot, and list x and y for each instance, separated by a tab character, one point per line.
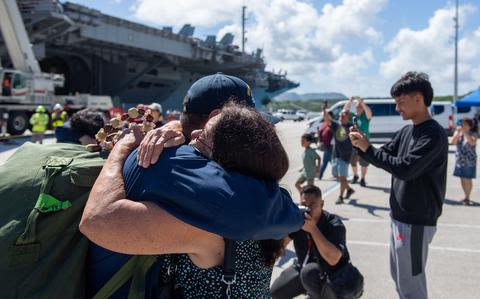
417	159
183	192
59	122
41	121
339	152
337	148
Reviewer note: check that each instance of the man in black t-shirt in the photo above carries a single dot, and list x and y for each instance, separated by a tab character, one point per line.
321	251
417	159
342	151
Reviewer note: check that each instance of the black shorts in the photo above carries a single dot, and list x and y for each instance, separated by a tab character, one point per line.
357	159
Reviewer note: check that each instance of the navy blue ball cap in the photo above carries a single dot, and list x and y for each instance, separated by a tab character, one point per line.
212	92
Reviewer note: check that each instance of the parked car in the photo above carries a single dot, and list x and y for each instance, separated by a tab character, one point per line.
302	114
312	114
442	112
386	120
284	114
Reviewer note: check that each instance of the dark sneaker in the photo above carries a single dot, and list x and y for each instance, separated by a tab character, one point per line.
339	200
354	180
362	183
466	202
349	193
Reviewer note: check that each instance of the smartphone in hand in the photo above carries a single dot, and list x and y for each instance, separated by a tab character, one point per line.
355	122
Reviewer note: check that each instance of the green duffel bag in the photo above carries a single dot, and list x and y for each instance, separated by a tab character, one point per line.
43	190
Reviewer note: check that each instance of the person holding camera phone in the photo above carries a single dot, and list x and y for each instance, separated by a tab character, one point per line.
342	150
323	269
363	115
417	158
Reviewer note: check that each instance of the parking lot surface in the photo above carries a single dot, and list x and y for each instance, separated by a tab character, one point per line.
453	268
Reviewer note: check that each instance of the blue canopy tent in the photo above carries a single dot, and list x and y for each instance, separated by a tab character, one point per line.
472	99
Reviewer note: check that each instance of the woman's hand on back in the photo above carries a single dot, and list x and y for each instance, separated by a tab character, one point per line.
155	141
130	138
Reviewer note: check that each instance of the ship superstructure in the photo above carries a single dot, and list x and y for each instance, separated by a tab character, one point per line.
102	54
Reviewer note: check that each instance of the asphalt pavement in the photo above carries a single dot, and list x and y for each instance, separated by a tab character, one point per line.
453	267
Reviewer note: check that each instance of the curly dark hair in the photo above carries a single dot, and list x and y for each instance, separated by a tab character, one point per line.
413	82
257	150
87	122
245	142
192	121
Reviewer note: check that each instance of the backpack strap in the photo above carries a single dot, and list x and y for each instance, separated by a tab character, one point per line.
26	248
136	268
138	286
229	277
45	203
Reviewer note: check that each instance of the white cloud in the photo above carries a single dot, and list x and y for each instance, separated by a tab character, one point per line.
313	45
350	65
196	12
294	34
351	19
432	50
348	74
469	68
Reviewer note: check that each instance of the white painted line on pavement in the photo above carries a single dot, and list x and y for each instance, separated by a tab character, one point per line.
333	187
455	249
336	185
459	225
455	225
431	247
330	189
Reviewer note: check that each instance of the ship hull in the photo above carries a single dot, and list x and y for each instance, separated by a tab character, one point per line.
84	73
133	63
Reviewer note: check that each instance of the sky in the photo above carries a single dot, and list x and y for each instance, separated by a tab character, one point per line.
356	47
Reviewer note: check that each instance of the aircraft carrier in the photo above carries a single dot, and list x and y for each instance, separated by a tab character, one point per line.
105	55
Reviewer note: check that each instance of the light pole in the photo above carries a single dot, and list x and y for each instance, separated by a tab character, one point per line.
455	84
243	28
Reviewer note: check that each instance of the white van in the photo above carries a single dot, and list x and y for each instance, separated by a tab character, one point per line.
386	120
462	112
442	112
